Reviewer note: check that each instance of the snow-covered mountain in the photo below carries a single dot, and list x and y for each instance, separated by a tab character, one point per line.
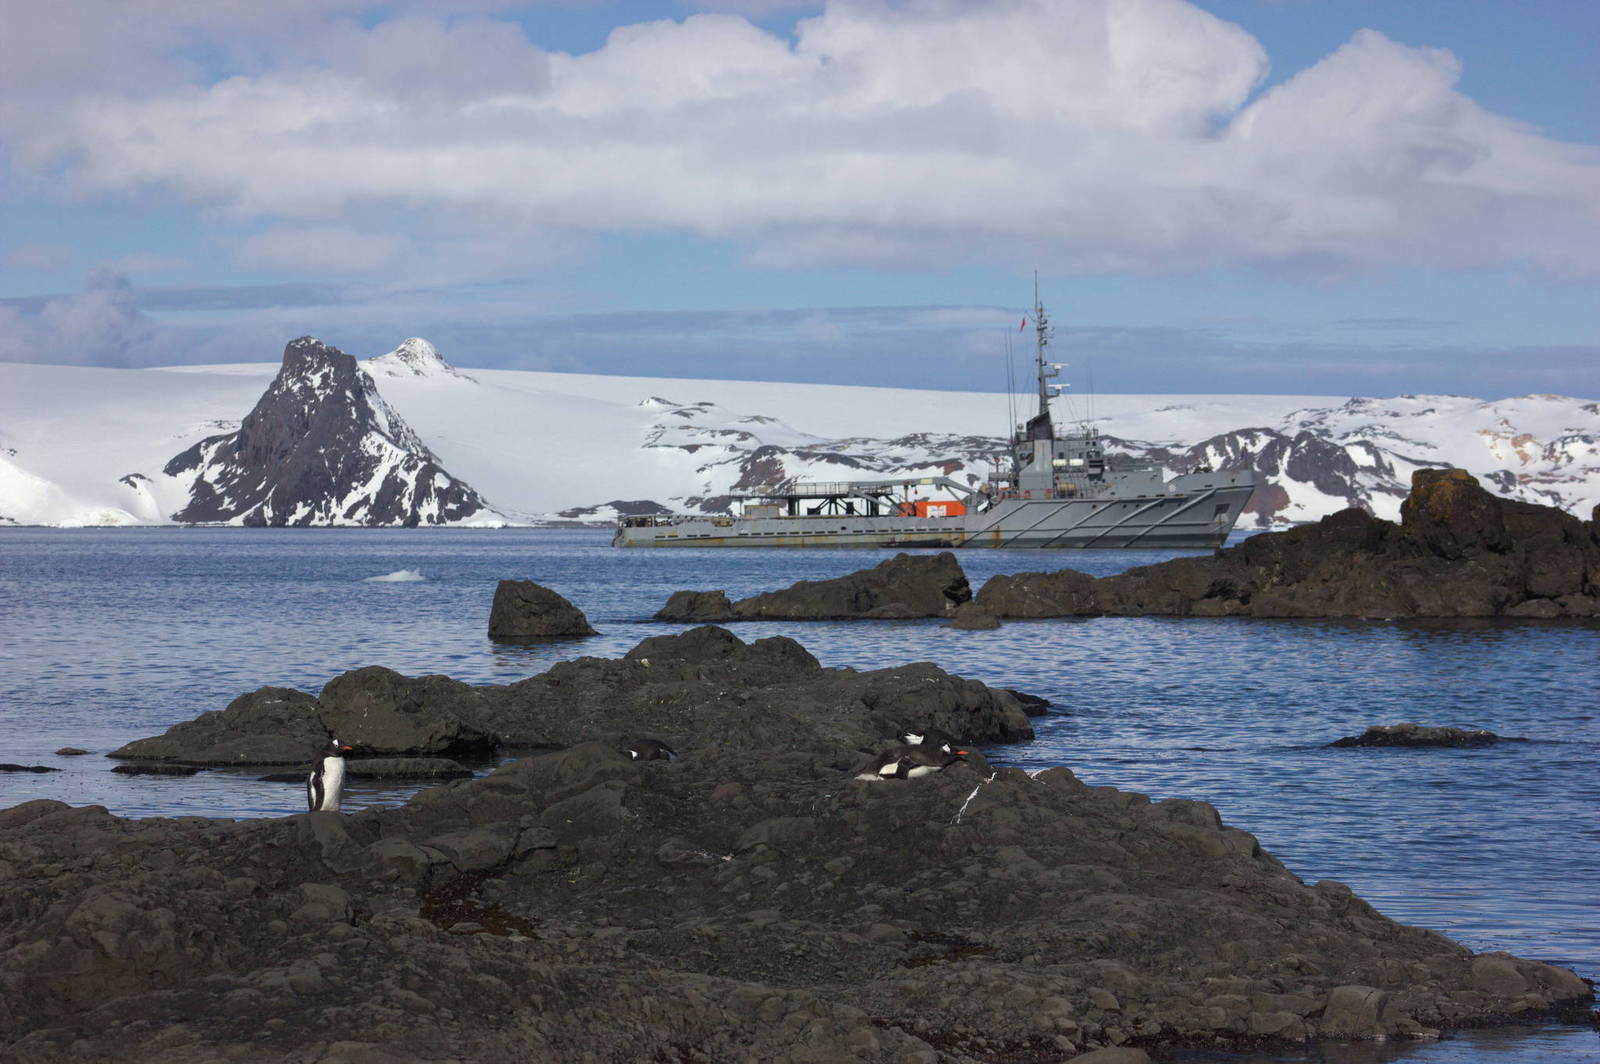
321	447
93	446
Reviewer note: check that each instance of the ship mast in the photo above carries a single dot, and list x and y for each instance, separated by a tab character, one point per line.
1040	427
1041	326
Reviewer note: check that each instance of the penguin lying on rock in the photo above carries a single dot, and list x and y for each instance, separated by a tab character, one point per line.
909	761
325	785
650	750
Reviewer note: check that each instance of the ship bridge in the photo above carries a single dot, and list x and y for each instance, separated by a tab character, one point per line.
860	498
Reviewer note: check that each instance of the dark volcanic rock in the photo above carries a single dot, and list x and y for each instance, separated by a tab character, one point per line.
156	769
11	767
700	607
321	447
1458	552
704	687
905	586
1032	705
707	688
430	768
269	726
972	617
747	901
523	609
1409	734
377	710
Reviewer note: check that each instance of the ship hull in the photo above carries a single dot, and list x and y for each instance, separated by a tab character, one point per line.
1198	519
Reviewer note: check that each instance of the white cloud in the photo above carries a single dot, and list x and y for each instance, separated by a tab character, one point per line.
1086	135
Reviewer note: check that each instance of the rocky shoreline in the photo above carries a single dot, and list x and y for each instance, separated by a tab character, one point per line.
1458	551
750	900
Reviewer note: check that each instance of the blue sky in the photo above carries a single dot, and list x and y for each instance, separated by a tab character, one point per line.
1301	196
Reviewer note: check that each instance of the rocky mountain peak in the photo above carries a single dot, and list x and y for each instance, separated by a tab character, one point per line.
320	447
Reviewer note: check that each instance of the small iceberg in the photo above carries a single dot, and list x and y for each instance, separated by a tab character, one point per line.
399	576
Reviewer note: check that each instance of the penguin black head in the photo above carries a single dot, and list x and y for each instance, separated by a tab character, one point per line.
650	750
334	748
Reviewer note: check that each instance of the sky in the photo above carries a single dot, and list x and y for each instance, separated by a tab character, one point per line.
1315	197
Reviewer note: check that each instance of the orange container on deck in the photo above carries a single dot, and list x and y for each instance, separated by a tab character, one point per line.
932	508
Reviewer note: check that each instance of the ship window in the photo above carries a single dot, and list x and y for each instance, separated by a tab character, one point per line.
1221	509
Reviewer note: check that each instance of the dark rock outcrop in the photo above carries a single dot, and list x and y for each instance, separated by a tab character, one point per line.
973	617
905	586
269	726
747	901
321	447
9	766
1458	552
523	609
1410	734
379	711
769	693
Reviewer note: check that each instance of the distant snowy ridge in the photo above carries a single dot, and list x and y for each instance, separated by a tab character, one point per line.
94	446
415	357
1313	460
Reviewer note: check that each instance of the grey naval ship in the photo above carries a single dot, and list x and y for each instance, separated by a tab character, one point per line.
1050	490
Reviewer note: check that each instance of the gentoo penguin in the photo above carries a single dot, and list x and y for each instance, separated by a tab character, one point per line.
650	750
909	761
939	740
325	785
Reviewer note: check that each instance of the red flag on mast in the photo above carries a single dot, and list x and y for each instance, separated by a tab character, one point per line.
1023	326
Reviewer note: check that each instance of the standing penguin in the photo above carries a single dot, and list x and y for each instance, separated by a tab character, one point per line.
325	785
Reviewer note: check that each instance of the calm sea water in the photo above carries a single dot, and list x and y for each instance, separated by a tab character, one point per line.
112	635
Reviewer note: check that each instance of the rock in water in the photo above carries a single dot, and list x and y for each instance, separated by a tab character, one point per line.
156	770
523	609
1409	734
905	586
321	447
268	726
697	607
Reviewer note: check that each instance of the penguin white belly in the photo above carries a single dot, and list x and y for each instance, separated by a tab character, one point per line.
326	787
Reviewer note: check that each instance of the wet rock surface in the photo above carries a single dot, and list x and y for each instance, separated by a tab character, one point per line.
1458	552
905	586
746	901
523	610
1410	734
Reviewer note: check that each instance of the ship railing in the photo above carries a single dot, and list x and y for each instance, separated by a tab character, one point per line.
654	520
